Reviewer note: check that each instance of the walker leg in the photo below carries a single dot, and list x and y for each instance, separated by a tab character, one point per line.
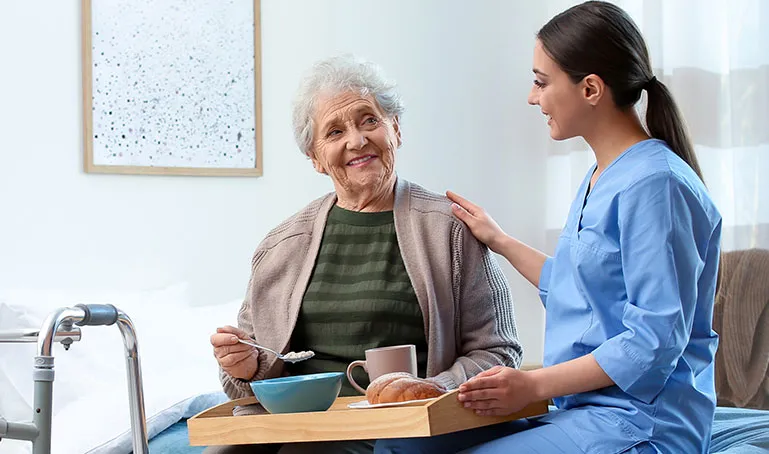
43	375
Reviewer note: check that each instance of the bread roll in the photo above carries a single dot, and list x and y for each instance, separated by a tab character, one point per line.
400	387
376	386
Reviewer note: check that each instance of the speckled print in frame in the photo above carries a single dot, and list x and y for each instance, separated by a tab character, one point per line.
172	87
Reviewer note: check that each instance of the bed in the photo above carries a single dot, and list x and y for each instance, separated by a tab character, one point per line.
180	380
740	431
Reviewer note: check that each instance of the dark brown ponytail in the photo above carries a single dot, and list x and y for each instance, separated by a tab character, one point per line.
664	121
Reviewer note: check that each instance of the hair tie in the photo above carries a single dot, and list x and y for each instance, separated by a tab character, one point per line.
649	83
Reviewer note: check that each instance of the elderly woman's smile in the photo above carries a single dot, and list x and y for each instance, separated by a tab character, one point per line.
362	161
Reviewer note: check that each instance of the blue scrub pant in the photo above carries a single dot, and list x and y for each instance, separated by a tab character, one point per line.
521	437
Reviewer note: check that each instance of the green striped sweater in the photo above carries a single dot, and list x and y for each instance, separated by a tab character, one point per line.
359	297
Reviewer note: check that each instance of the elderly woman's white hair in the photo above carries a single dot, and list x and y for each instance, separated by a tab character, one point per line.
337	75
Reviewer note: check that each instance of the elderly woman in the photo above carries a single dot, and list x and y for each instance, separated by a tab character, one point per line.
380	261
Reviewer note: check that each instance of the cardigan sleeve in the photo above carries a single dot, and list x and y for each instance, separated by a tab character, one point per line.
487	329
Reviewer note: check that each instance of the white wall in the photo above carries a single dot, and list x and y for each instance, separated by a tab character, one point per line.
464	71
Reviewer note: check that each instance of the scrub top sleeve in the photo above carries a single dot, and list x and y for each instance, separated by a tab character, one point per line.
544	279
661	265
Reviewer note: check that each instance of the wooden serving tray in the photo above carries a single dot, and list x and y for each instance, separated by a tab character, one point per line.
217	425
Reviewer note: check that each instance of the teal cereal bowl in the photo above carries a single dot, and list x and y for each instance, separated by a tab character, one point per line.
298	394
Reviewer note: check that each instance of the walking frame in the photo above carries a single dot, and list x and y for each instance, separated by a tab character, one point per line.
63	326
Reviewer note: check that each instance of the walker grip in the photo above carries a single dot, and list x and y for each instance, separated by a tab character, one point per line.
98	314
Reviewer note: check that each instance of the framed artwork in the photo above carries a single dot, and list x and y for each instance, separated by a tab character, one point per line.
172	87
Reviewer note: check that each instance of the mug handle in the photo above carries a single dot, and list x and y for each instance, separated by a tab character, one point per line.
349	374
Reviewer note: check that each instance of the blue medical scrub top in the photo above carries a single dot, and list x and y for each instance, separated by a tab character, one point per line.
633	282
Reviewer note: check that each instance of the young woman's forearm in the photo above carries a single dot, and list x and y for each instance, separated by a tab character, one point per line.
525	259
579	375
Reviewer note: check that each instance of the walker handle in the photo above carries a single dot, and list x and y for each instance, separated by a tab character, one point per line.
98	314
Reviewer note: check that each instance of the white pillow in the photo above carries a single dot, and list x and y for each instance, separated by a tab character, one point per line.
91	411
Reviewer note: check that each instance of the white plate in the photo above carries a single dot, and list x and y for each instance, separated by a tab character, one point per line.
406	403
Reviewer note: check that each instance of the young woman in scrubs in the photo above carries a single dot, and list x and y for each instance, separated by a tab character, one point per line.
629	346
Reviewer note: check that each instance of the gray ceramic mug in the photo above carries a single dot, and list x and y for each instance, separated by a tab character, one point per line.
384	360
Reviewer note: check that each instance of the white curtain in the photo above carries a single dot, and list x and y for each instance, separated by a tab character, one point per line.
714	57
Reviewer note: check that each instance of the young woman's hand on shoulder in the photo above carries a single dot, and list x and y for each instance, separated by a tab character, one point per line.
483	227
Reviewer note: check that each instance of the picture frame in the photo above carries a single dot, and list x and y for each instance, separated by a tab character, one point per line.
172	88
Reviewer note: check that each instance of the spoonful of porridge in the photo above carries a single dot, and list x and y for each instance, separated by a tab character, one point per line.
290	357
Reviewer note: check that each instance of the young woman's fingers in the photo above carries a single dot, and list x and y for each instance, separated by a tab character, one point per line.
469	206
462	214
482	383
488	404
479	395
493	371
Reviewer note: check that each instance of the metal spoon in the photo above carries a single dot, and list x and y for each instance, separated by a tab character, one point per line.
290	357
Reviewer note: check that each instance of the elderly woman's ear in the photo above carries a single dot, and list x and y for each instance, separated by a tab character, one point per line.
397	129
317	164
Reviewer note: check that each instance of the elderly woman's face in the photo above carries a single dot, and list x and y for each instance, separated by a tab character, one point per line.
354	142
